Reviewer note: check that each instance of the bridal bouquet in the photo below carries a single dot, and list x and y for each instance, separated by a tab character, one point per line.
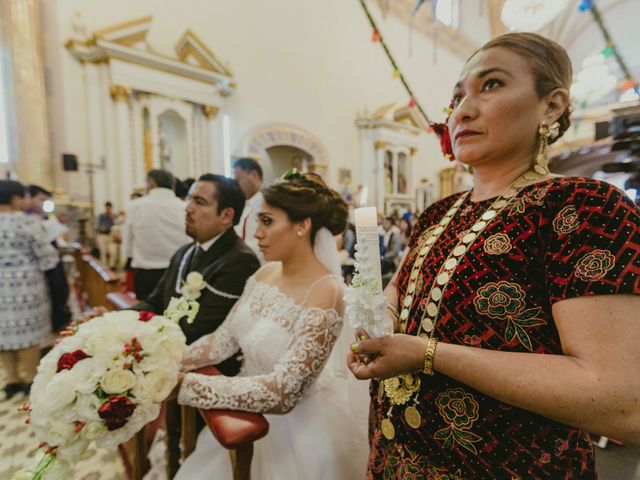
102	383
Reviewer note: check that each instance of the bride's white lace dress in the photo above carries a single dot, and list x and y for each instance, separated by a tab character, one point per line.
317	413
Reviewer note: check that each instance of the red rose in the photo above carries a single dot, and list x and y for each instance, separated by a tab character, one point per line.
442	130
145	316
68	360
116	411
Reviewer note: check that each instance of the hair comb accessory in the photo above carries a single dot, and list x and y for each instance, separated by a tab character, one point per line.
291	174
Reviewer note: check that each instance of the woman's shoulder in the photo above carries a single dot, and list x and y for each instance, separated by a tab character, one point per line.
583	193
267	271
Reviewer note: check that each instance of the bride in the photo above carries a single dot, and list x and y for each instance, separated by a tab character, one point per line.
286	323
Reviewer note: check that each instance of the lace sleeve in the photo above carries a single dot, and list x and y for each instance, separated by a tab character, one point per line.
214	347
279	390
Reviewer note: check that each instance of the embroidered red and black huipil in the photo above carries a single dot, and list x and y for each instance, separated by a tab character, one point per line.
558	239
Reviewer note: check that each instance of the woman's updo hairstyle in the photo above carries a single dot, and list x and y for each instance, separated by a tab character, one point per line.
548	61
306	195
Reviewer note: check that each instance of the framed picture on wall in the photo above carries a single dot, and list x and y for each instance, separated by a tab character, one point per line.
344	176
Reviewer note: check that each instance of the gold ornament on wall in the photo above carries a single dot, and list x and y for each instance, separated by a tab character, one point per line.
210	111
120	93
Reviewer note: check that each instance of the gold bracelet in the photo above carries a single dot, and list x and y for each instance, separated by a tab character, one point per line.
393	309
429	353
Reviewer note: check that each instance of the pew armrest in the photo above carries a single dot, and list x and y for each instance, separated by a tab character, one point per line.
120	301
232	428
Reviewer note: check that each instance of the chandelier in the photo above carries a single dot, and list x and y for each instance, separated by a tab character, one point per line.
530	15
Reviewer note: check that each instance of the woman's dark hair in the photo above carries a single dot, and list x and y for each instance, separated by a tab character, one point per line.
10	189
549	63
306	195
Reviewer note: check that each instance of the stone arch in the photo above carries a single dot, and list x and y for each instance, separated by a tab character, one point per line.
263	137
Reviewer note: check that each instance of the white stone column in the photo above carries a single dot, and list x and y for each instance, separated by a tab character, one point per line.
120	95
377	196
212	163
95	124
20	28
109	158
137	145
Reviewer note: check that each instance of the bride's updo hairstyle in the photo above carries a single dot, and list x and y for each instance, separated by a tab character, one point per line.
306	195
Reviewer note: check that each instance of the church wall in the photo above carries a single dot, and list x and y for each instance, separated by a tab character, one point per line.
301	62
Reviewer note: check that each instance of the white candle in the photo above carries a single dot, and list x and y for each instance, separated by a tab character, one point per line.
366	217
366	220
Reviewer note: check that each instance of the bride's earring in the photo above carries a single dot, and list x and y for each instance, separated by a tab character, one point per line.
299	233
545	133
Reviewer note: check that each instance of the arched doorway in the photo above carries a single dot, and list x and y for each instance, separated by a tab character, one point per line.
279	147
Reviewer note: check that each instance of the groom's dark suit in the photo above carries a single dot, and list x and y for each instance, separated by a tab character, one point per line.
225	266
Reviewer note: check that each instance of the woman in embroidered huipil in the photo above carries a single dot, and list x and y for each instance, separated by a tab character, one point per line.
517	302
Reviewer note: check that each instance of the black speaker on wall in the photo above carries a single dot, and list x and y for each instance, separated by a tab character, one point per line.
69	162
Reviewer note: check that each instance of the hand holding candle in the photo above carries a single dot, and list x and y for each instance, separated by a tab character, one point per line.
365	302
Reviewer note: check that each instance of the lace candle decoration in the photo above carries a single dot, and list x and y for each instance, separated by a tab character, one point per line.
365	303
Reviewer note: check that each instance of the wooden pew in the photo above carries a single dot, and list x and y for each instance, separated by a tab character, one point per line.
95	280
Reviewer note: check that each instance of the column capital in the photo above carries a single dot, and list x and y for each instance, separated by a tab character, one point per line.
379	144
120	93
210	111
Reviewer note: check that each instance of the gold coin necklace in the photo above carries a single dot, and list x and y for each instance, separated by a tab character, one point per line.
399	390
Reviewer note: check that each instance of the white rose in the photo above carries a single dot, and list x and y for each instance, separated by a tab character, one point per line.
191	293
194	280
73	451
59	393
60	433
103	345
87	407
117	381
84	375
94	430
157	385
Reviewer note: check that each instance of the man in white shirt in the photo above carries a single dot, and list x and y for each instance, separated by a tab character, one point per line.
248	174
153	231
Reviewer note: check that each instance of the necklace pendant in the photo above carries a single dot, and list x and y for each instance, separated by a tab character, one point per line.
412	417
387	429
427	325
541	169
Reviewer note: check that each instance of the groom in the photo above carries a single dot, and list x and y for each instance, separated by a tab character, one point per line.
224	260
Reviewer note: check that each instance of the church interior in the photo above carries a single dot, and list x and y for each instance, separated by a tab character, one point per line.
96	94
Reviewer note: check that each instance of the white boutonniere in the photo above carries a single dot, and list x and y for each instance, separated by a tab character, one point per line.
187	306
193	286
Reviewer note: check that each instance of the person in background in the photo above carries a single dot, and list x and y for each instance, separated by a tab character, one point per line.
104	239
25	309
392	245
248	174
56	277
153	231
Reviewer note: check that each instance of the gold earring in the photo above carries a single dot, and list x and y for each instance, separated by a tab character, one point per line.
546	133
